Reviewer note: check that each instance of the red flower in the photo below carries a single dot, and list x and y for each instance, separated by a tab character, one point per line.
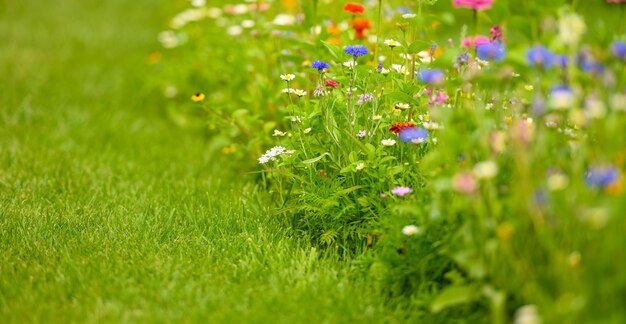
397	127
360	25
331	83
354	8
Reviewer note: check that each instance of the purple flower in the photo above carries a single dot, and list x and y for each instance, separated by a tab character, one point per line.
601	177
619	49
462	59
439	98
361	134
415	135
540	56
319	65
363	98
539	105
562	61
401	191
588	63
404	10
493	51
356	50
433	76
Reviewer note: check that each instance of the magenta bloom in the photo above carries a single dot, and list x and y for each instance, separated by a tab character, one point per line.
473	4
474	41
401	191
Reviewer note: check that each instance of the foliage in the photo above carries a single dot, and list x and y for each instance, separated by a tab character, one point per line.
485	173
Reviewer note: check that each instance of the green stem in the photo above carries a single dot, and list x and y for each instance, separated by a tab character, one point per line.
379	27
473	43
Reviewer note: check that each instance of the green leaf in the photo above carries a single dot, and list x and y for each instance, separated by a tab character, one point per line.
334	50
315	159
407	210
453	295
348	190
394	170
418	46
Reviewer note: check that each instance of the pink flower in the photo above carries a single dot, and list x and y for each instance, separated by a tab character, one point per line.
473	4
465	182
616	1
474	41
439	98
401	191
496	32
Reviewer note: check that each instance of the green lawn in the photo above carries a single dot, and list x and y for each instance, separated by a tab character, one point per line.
109	212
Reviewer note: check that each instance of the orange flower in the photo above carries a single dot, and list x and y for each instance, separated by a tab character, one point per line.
397	127
360	25
333	30
354	8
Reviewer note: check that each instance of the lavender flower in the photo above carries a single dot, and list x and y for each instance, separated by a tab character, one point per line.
401	191
363	98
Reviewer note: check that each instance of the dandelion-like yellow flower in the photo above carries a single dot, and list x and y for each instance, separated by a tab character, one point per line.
198	97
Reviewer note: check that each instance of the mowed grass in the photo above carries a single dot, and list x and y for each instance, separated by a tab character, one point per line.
108	212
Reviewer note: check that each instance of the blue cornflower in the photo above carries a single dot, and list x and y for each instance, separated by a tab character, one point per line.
404	10
319	65
430	75
415	135
619	49
540	56
538	106
562	61
561	97
356	50
462	59
601	177
493	51
588	63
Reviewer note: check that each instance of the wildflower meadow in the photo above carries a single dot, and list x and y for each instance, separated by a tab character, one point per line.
426	161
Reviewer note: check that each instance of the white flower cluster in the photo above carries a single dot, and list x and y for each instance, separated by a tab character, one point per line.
187	16
271	154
